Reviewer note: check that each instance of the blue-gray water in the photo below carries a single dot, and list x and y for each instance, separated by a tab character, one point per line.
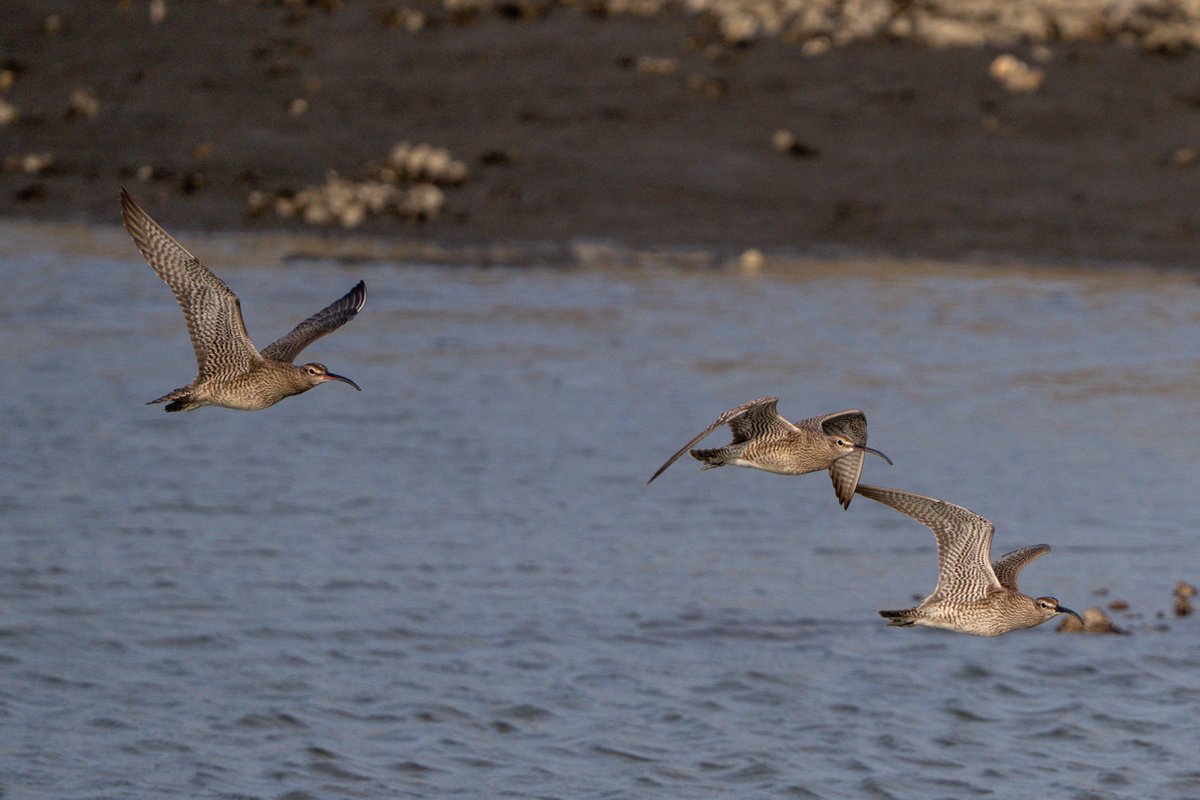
457	584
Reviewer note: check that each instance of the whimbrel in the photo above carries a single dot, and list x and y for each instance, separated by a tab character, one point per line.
764	440
232	372
974	594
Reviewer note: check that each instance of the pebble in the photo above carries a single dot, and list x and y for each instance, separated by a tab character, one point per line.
785	142
29	164
1184	592
657	65
1015	75
83	104
751	262
1184	158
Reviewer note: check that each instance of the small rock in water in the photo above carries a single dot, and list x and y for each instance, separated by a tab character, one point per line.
1094	621
1184	592
751	261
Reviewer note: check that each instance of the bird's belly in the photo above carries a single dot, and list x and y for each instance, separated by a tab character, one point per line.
243	394
972	619
779	462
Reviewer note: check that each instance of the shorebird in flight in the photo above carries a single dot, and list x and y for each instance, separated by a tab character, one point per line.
974	594
232	372
764	440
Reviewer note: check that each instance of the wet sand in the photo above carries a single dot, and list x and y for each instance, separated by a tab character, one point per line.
645	132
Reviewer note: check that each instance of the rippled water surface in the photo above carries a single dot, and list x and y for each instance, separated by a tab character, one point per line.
457	584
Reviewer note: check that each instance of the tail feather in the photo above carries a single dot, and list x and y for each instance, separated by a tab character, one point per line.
901	617
178	400
716	457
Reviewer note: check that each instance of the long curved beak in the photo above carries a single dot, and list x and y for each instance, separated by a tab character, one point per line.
866	449
1065	610
329	376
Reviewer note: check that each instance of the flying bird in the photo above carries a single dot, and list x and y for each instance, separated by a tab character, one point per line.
764	440
232	372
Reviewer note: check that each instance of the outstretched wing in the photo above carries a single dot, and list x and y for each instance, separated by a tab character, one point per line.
327	320
211	309
845	473
758	419
1010	564
747	420
964	540
852	426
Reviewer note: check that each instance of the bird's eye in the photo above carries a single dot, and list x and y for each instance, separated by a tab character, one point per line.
841	443
312	370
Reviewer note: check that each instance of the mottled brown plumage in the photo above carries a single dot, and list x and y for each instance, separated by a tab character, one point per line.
973	595
231	371
764	440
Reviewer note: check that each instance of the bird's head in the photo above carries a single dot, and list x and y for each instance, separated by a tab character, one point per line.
317	373
1049	607
843	447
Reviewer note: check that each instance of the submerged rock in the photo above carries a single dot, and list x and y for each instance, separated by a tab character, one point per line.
1094	621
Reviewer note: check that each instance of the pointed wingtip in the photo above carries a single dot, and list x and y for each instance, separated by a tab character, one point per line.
131	212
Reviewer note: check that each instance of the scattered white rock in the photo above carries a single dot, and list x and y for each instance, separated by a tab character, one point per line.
657	65
83	104
1015	75
30	163
348	203
751	262
423	162
1184	157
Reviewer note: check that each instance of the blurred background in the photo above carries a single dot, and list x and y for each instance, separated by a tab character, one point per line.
586	230
1052	130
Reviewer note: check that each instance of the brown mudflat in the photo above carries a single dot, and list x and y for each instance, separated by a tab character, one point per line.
900	148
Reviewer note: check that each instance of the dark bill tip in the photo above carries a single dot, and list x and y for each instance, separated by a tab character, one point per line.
1065	610
866	449
329	376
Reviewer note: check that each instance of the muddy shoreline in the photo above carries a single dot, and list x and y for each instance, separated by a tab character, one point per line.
645	132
